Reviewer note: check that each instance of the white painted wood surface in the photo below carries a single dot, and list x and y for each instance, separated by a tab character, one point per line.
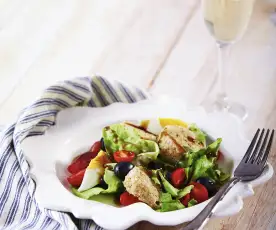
161	44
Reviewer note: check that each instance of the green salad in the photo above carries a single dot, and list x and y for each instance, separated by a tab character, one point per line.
166	164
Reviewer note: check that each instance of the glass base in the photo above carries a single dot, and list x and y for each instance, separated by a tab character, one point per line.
222	104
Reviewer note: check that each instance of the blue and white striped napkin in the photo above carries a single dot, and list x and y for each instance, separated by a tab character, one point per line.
18	208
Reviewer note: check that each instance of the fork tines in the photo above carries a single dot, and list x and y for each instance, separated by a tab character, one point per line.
259	147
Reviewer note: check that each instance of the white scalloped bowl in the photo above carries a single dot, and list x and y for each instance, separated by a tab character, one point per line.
77	128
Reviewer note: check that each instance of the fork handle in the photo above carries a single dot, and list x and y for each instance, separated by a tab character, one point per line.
202	218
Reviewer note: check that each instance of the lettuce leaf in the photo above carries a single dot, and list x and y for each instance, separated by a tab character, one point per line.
192	202
217	175
190	158
150	151
113	182
212	149
124	137
200	167
202	163
174	192
171	206
168	187
200	136
165	197
88	193
155	178
183	192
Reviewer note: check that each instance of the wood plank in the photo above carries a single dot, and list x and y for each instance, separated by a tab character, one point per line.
186	61
114	41
25	37
147	43
70	30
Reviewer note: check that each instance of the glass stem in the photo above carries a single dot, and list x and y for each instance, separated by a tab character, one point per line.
223	51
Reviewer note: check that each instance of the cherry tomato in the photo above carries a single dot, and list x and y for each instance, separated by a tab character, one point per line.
76	179
81	162
178	177
208	184
199	192
220	156
96	147
185	200
128	199
123	155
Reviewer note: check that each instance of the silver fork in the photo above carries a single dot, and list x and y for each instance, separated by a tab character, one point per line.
250	167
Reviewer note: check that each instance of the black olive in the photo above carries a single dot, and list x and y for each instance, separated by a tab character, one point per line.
102	144
122	169
168	176
155	165
102	184
209	185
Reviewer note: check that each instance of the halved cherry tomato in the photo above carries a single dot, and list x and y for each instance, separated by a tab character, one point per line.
81	162
123	155
96	147
76	179
127	199
199	192
185	200
178	177
220	156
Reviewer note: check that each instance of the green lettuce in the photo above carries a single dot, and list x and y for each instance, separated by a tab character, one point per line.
171	206
217	175
202	163
155	178
174	192
183	192
113	182
167	203
190	158
200	136
192	202
150	151
165	197
88	193
212	149
168	187
125	137
200	167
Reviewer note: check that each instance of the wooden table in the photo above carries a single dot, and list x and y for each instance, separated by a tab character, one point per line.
159	44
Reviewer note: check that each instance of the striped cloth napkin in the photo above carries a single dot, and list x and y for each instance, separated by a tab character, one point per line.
18	207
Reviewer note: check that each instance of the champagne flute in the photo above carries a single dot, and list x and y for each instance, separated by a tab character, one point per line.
227	21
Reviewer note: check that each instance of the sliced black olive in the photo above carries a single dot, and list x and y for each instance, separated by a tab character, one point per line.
102	184
122	169
155	165
102	144
209	185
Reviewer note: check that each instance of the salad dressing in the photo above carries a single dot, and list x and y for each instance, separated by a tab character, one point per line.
145	124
